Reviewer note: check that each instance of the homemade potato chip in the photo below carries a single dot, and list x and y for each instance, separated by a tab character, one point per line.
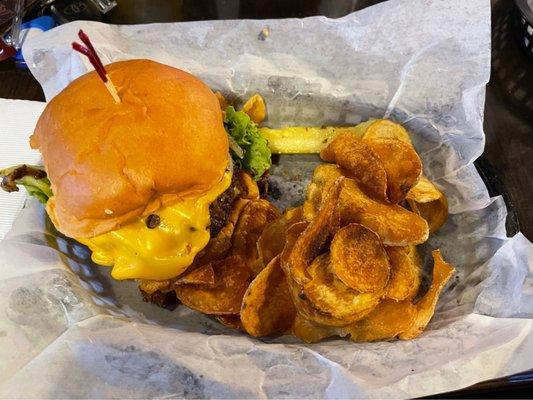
310	332
303	306
150	287
232	278
255	108
218	247
272	240
425	307
401	163
429	202
231	321
293	215
357	157
331	296
383	128
359	260
389	319
267	306
316	236
255	216
247	186
395	225
405	268
204	275
302	139
424	191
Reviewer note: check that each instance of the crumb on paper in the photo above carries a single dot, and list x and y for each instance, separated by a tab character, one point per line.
265	32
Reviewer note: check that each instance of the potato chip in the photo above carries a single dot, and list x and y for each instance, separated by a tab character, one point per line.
316	236
222	100
359	260
401	163
293	215
424	191
331	296
150	287
358	158
405	269
310	332
272	240
252	221
389	319
218	247
395	225
303	306
383	128
429	202
204	275
232	278
425	307
231	321
267	306
255	108
247	186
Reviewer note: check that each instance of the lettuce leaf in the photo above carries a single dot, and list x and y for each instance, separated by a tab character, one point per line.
255	156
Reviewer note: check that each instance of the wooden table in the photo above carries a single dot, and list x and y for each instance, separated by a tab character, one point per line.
506	164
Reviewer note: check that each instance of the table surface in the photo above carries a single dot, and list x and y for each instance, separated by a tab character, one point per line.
508	120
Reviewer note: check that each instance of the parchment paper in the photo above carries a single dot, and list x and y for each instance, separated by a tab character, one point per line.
72	332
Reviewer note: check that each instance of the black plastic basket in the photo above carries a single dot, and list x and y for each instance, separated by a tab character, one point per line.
523	25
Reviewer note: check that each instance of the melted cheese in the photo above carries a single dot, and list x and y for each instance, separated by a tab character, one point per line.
137	252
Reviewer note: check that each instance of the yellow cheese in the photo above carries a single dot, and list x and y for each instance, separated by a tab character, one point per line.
137	252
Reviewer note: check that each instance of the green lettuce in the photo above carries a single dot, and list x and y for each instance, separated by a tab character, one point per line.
255	154
33	179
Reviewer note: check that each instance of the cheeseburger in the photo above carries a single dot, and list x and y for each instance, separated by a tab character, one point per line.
144	183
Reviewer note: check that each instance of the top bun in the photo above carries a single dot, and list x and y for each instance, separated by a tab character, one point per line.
110	163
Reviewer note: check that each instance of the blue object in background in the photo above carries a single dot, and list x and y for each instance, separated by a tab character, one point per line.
29	29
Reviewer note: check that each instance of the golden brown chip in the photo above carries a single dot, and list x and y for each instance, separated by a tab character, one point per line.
232	278
267	306
218	247
256	215
424	191
204	275
425	308
272	240
401	163
293	215
359	260
316	236
247	186
389	319
150	287
429	202
310	332
405	268
222	100
303	306
331	296
395	225
231	321
357	157
255	108
383	128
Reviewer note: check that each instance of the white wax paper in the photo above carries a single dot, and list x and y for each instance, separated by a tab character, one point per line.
73	332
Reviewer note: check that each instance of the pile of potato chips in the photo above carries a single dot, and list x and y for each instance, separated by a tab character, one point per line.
345	263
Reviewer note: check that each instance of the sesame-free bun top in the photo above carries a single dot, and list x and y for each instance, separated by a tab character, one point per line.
110	163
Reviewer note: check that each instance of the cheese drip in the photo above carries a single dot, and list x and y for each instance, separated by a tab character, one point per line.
138	252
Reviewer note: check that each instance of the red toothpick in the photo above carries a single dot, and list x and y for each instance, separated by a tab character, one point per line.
91	54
